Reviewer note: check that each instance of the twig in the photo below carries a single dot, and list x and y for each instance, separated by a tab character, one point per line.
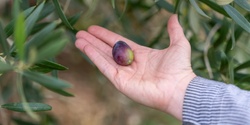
206	47
24	101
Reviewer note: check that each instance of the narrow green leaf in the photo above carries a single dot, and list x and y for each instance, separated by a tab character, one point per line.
49	39
51	65
62	92
215	7
46	81
53	47
224	2
20	35
3	42
193	21
53	84
61	14
241	75
37	39
113	3
16	9
46	44
242	66
36	68
19	107
47	9
197	8
10	27
47	66
177	6
38	27
165	5
243	79
52	50
243	3
33	17
4	67
237	17
74	19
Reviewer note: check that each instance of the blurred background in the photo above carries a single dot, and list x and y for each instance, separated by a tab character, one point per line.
96	101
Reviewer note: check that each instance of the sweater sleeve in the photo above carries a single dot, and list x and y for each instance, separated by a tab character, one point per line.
209	102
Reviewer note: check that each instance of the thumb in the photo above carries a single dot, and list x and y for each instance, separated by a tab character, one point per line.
175	31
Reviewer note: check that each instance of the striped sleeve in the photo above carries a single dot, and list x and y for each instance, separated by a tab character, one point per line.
209	102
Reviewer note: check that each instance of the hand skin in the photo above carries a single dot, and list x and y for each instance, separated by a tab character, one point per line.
156	78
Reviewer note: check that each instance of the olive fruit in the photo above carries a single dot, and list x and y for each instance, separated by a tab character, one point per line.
122	53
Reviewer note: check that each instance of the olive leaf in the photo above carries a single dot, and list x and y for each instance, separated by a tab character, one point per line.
237	17
53	84
19	107
165	5
20	35
215	7
3	42
243	3
223	2
198	9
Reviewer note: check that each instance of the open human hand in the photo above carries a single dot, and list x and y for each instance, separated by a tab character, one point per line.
156	78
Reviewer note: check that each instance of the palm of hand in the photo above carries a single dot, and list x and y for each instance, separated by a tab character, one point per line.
155	76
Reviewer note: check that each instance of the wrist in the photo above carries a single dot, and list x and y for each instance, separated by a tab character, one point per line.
175	106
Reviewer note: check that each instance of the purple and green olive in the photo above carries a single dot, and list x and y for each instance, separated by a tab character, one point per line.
122	53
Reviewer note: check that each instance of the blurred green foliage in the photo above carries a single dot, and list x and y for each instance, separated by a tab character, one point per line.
217	30
27	48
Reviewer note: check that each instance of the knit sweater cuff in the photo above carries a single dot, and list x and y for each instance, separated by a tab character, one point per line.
209	102
201	98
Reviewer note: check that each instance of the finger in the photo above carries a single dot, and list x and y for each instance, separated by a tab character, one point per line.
105	64
95	42
175	30
80	44
109	37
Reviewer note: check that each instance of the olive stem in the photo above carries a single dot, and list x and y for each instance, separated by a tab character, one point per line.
24	101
